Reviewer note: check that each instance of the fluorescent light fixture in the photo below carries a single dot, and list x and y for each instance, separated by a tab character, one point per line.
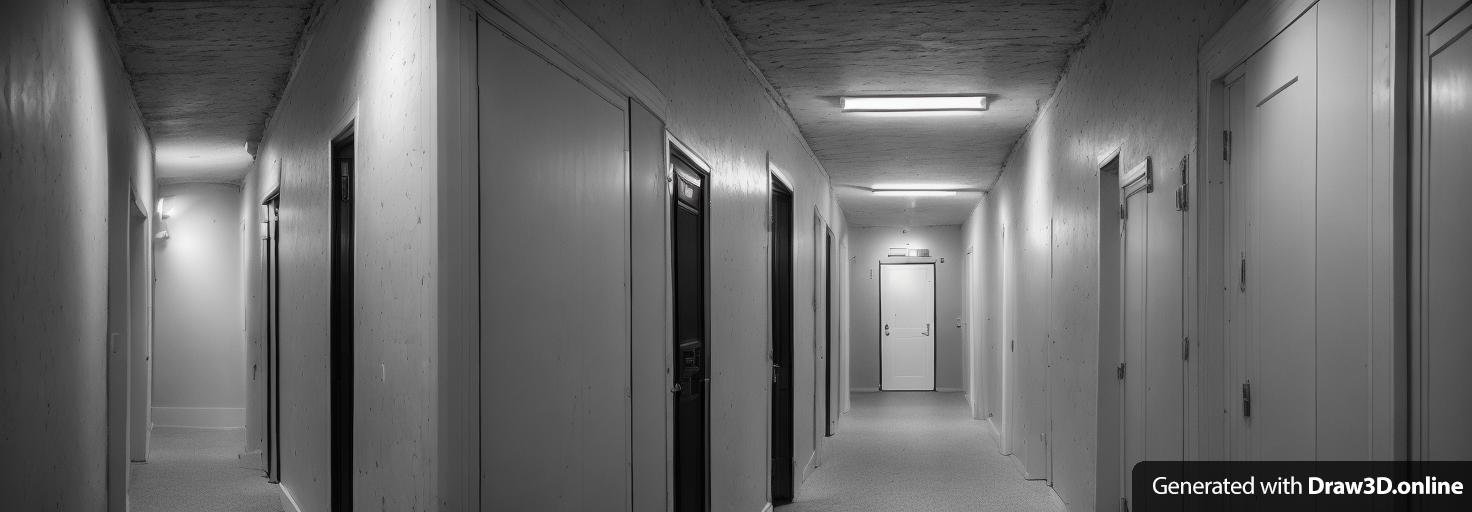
915	189
912	103
915	193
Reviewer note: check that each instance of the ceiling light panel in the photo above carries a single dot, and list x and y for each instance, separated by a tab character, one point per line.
913	103
915	193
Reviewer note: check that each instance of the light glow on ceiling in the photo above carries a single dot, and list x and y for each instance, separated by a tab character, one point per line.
193	158
972	103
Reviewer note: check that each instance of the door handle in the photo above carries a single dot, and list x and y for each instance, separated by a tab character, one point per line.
886	329
927	330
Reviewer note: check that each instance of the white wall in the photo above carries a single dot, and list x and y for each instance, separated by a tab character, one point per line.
71	146
869	246
199	366
373	60
1133	84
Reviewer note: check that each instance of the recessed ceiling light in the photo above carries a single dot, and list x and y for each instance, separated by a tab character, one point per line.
913	103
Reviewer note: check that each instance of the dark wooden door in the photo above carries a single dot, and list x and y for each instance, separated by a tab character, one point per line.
341	309
782	463
692	361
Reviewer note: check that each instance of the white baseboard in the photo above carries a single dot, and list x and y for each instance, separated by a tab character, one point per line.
948	390
288	502
767	508
198	417
863	390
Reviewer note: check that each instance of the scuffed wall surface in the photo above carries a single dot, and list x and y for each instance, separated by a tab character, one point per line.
70	140
1132	85
721	110
199	352
372	60
868	246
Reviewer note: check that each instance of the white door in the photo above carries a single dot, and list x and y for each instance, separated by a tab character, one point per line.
1134	339
1271	249
1445	248
1280	264
907	327
554	351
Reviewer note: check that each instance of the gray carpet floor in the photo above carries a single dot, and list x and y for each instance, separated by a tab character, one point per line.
198	471
917	451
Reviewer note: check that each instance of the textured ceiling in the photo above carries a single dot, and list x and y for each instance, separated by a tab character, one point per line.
207	74
815	51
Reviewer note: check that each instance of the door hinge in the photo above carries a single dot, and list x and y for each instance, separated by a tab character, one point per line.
1227	145
1247	399
1183	200
1011	345
1242	274
1124	213
1186	348
1119	371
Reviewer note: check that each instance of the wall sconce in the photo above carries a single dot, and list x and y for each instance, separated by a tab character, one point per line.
163	213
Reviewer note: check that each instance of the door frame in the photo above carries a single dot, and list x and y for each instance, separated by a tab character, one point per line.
677	149
271	207
140	337
820	226
934	307
1111	314
789	485
1212	387
117	361
830	417
342	240
1139	179
1428	37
